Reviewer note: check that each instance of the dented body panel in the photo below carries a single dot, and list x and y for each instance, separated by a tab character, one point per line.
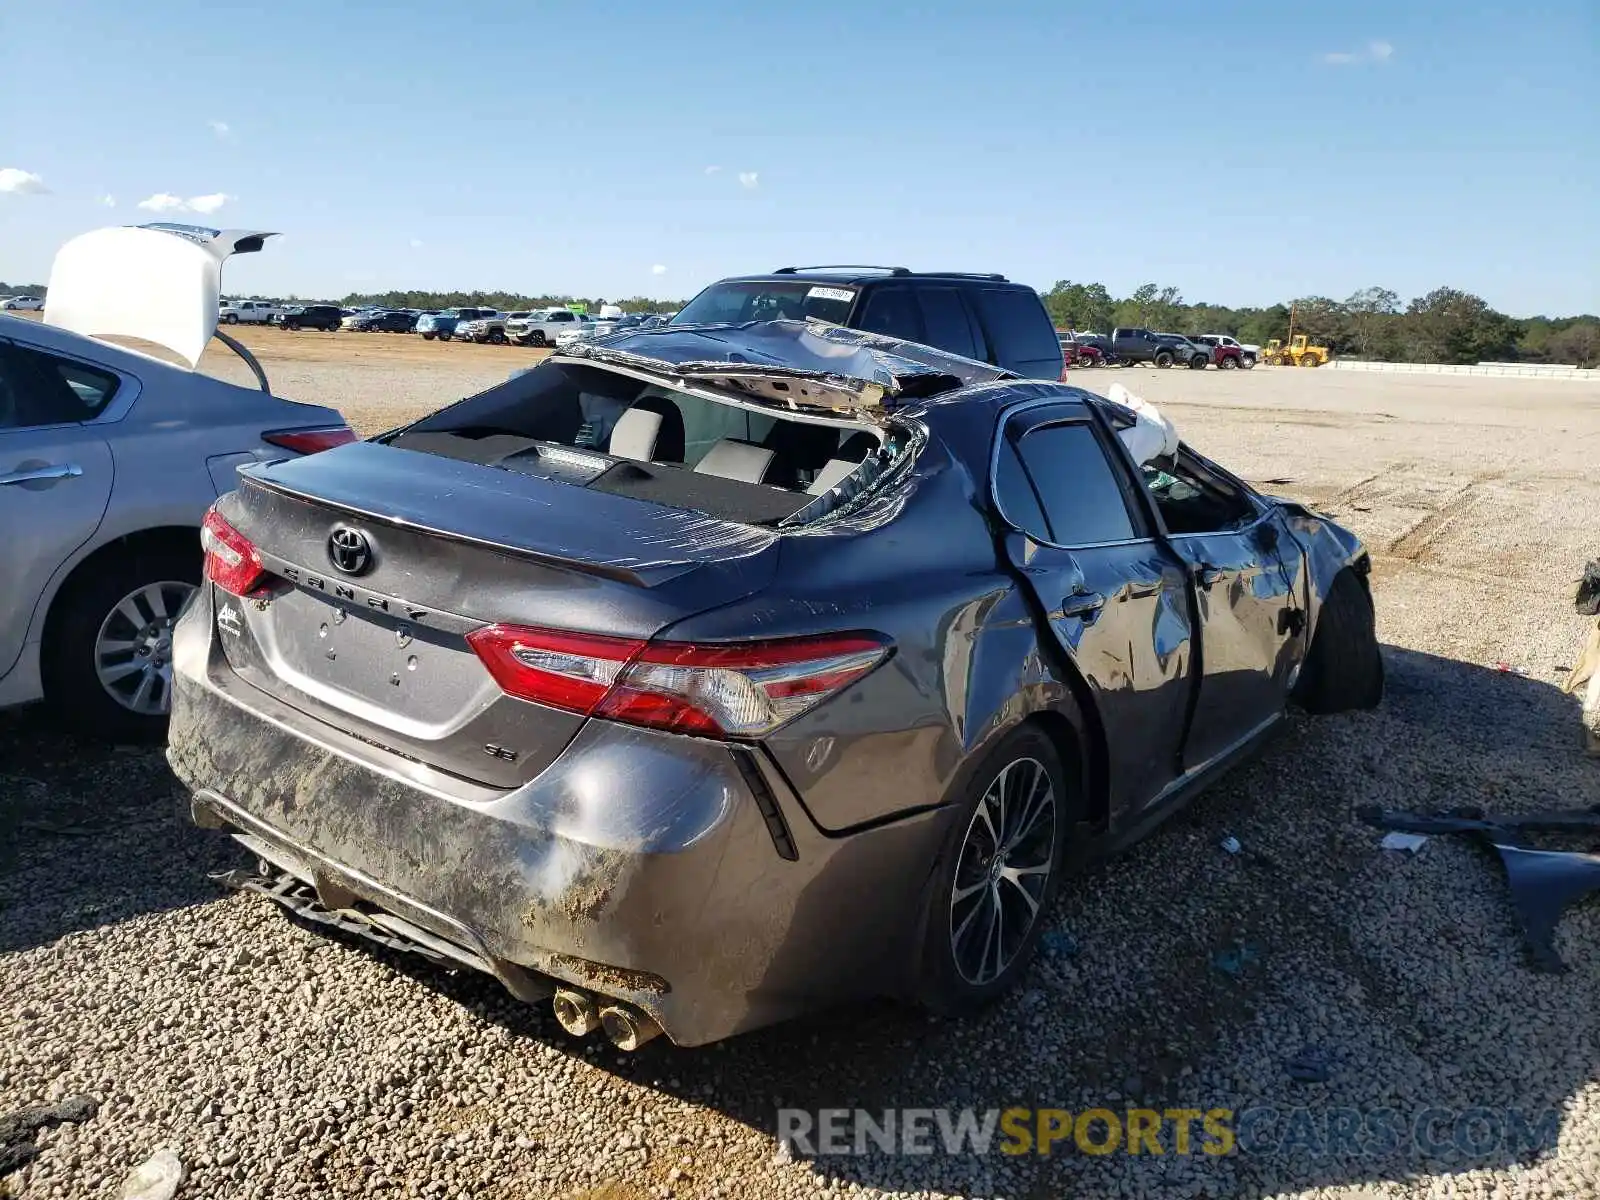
716	885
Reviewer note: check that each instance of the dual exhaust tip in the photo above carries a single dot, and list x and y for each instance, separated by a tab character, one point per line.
580	1014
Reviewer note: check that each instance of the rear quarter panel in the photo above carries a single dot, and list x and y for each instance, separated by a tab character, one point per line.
921	566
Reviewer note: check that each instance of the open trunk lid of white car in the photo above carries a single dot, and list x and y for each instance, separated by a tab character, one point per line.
158	283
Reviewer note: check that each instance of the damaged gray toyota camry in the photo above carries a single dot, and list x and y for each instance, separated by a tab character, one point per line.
704	675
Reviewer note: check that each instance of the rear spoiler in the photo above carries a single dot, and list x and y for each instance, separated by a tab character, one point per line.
159	283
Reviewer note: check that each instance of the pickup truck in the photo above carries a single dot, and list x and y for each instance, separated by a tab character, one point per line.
1161	349
442	325
247	312
1243	354
1227	354
541	328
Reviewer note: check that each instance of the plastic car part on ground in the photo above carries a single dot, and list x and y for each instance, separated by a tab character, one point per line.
17	1147
1543	882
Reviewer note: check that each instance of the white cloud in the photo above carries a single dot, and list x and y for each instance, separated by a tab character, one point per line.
166	202
749	179
1375	52
221	128
108	200
206	205
163	202
21	183
659	269
712	170
416	243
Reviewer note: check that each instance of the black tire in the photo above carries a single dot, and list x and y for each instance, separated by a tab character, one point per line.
537	337
1247	362
497	337
292	326
1163	359
231	319
445	337
427	337
1228	363
1344	667
1197	363
943	984
72	684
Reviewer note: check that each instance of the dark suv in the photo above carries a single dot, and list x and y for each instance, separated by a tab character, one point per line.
985	317
325	317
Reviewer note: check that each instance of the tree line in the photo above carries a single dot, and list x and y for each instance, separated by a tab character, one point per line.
504	301
1445	326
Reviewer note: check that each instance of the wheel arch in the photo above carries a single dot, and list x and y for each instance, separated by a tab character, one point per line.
180	538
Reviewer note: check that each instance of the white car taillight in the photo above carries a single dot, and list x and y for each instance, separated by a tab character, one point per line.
723	690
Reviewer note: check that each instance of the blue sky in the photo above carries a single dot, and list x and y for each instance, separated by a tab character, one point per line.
1243	152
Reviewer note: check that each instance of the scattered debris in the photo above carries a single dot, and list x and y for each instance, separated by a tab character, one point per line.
1542	882
1508	669
157	1178
1407	843
1587	601
1231	844
17	1148
1310	1066
1234	959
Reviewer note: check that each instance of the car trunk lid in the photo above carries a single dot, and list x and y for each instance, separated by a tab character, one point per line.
384	559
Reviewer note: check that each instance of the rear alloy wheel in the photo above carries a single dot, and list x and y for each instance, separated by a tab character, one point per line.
1228	363
997	875
108	654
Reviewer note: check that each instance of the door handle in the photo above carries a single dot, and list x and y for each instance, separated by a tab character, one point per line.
1085	605
52	471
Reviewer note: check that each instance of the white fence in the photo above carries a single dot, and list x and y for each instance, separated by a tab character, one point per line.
1504	370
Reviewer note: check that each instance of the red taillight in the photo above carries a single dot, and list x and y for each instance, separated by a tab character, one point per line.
310	441
1062	378
741	690
232	563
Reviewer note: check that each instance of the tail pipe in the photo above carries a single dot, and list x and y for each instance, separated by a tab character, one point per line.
628	1027
576	1012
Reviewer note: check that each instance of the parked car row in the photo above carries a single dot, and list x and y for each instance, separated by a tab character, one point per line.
1127	346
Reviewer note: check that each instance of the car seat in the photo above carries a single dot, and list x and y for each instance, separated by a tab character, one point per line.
650	431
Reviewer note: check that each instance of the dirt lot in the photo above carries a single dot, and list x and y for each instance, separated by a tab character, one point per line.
278	1062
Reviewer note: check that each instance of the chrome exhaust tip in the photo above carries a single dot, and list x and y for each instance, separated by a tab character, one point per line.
575	1012
628	1028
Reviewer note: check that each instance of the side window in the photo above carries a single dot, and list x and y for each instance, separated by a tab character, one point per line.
1077	486
41	389
1018	326
1192	501
1019	503
892	310
945	321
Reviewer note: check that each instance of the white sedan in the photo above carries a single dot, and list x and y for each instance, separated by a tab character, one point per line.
22	304
109	461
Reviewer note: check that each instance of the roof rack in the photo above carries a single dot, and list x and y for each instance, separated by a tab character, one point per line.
968	275
842	267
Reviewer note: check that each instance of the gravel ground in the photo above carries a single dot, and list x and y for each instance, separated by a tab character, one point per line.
279	1062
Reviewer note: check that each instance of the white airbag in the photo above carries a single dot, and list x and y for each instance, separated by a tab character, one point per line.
1152	435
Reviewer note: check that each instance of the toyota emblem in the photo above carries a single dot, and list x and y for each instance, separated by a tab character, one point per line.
349	550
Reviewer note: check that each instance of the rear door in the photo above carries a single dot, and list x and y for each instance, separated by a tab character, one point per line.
1114	599
892	310
55	475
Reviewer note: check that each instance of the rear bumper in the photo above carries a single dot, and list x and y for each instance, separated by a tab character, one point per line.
638	865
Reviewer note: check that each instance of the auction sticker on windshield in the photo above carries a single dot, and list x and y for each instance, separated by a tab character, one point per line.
831	293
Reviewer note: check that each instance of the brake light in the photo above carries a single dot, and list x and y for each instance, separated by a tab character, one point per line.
729	690
310	441
232	563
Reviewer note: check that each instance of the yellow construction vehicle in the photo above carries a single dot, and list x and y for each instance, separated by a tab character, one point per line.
1296	354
